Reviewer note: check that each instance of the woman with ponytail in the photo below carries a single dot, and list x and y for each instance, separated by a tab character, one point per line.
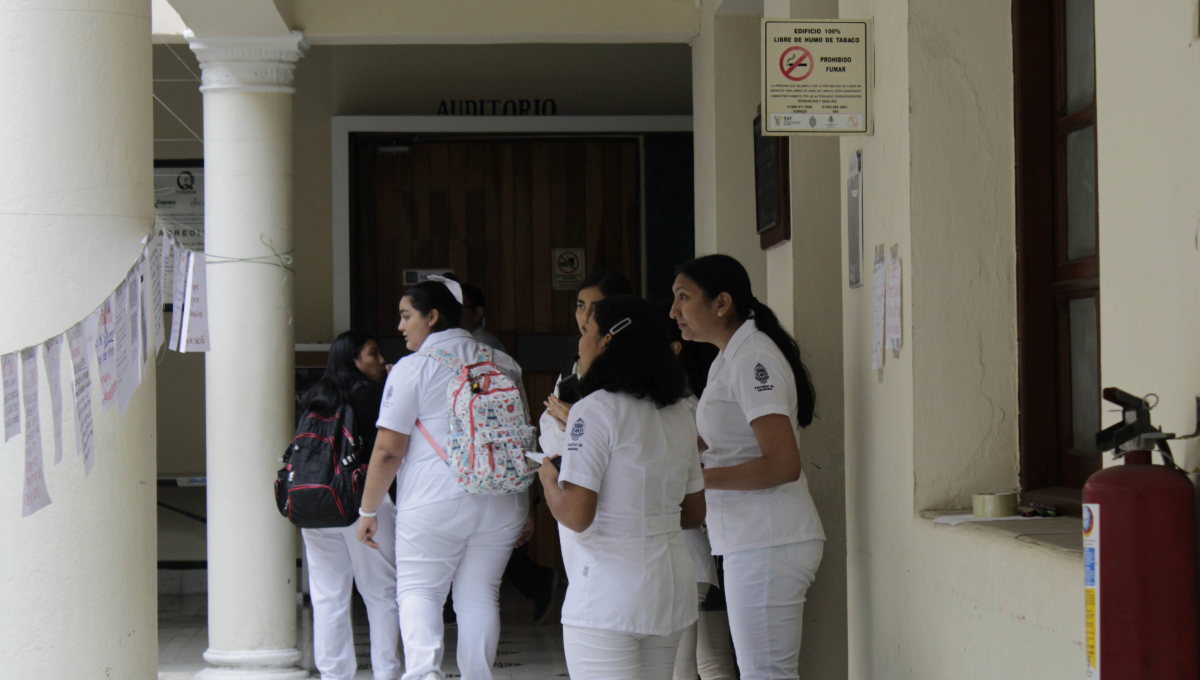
761	517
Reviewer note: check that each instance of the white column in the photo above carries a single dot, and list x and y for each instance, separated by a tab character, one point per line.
249	371
77	578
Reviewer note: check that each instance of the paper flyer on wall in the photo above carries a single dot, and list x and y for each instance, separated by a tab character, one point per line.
154	311
877	307
89	333
35	495
52	357
145	325
894	330
195	322
178	299
123	343
12	395
133	289
106	350
82	382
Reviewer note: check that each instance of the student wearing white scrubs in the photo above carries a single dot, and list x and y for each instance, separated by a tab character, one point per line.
443	535
761	516
354	375
630	483
553	422
704	649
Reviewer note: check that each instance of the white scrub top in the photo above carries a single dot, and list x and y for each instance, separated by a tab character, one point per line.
697	539
416	388
630	570
748	380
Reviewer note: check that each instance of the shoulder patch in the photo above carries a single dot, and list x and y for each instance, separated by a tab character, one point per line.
578	429
390	389
761	375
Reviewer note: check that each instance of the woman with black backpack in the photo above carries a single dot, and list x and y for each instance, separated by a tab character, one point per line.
354	376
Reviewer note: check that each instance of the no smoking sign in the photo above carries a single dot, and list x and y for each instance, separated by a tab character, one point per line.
796	63
568	266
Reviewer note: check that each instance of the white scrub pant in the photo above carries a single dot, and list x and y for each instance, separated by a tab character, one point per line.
598	654
704	649
465	542
765	591
335	558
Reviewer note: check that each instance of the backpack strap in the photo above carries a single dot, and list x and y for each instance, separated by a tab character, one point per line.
484	354
444	358
429	438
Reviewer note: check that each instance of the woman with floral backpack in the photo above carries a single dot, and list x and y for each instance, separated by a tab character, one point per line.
454	413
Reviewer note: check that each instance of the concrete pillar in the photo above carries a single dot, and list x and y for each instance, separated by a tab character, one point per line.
249	372
77	578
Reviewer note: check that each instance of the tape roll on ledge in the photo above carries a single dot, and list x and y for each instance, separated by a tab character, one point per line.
995	504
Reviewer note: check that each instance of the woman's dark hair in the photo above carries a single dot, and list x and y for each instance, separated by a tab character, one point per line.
638	360
695	358
716	274
341	374
427	296
611	283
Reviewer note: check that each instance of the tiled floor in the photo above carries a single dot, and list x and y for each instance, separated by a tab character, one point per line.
526	651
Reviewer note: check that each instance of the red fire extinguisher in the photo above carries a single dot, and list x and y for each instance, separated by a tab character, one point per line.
1139	537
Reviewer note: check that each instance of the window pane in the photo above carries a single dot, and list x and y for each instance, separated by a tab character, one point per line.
1085	373
1081	54
1081	193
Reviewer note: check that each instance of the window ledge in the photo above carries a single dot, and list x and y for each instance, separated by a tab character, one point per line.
1063	535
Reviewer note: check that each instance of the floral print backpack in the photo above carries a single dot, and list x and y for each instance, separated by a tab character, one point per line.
489	427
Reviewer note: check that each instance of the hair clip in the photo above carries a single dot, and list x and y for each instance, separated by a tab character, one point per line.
620	326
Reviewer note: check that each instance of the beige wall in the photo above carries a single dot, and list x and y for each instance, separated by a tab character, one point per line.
1149	187
930	602
642	79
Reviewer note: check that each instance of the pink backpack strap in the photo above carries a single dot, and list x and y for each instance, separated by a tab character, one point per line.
429	438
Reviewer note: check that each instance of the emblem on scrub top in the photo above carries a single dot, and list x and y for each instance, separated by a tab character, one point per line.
760	374
389	392
577	430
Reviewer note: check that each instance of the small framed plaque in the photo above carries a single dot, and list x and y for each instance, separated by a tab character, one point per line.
772	188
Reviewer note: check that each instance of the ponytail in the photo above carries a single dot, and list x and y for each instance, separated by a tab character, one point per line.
717	274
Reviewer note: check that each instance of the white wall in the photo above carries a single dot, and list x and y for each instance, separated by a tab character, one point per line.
1149	174
77	596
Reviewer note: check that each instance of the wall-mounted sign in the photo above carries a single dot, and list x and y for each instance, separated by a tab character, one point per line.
569	267
498	107
179	208
817	77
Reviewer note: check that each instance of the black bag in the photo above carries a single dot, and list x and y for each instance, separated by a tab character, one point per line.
321	482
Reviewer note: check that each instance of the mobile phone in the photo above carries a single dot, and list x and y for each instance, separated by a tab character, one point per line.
540	458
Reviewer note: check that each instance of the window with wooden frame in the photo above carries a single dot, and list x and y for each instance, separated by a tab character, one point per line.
1058	261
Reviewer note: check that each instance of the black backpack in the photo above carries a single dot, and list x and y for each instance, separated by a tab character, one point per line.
321	482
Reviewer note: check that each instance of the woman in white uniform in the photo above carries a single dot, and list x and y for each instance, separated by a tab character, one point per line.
630	482
354	375
553	422
761	516
443	535
704	649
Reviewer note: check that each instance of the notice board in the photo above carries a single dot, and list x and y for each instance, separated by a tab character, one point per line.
817	77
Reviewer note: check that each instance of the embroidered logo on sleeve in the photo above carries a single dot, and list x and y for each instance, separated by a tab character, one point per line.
761	375
391	388
577	431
